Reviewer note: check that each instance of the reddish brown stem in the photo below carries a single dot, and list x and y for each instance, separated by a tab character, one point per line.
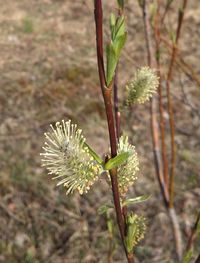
107	96
170	104
116	105
173	146
153	109
156	151
113	172
167	7
162	121
99	42
185	67
163	181
147	34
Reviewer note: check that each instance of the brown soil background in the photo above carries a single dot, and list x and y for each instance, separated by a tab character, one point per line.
48	72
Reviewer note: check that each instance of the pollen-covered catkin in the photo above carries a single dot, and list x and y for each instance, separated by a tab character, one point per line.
67	156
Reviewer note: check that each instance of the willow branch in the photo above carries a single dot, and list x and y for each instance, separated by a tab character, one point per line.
107	96
116	105
161	111
170	103
163	180
153	108
184	66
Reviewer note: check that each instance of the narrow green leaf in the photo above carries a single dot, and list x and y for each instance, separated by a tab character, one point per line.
112	25
104	209
135	200
187	256
119	44
120	27
130	236
121	3
118	37
112	20
110	225
117	160
94	154
111	63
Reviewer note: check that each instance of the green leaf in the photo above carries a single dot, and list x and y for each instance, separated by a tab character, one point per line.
104	209
132	230
111	63
121	3
117	26
135	200
112	25
136	227
118	37
117	160
119	44
113	52
110	225
112	20
187	256
120	27
94	154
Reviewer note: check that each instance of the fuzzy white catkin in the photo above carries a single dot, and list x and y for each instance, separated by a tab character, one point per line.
66	156
143	86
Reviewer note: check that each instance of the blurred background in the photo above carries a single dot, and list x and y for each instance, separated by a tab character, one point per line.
48	72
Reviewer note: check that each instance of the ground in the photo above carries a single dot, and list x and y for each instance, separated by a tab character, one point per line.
49	73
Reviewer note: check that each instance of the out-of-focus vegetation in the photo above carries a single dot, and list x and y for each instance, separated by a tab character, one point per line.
49	73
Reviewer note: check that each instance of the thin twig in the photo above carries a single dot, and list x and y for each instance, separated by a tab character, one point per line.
163	181
167	7
170	103
153	109
188	102
171	210
185	67
176	232
193	234
172	214
161	111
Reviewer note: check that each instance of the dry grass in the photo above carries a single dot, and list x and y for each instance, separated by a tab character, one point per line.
48	72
